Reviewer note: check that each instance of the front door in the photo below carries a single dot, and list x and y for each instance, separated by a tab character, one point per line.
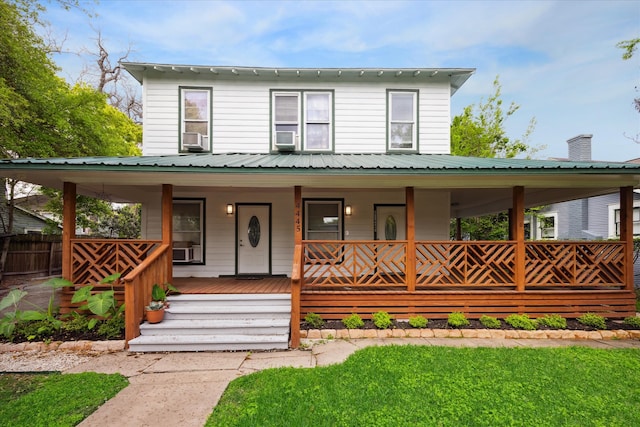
390	222
253	239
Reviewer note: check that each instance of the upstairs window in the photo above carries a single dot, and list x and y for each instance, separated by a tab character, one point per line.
403	120
302	120
195	120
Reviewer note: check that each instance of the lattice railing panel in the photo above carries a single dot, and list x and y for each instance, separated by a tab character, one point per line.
465	263
362	263
92	260
574	264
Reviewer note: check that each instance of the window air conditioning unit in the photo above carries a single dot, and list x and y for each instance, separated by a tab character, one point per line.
285	140
193	141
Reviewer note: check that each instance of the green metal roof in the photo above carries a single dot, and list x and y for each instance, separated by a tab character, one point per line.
391	164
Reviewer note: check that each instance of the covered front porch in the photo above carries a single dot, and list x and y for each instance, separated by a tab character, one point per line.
403	277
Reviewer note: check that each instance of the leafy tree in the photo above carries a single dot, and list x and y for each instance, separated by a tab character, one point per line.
40	114
480	132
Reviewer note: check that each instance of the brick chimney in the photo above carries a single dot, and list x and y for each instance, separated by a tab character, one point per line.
580	148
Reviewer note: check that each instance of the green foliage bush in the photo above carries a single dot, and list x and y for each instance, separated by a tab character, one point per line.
112	327
554	321
457	319
594	320
490	322
632	321
521	321
353	321
315	320
382	320
418	321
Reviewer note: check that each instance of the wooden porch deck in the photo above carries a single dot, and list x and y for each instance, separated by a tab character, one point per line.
233	285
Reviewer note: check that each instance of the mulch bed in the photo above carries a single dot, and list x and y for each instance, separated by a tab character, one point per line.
572	324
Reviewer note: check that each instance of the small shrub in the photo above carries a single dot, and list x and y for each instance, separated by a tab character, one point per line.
521	321
632	321
418	321
353	321
593	320
315	320
382	320
490	322
457	320
554	321
112	327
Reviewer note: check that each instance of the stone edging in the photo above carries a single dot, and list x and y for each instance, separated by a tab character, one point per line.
617	334
84	346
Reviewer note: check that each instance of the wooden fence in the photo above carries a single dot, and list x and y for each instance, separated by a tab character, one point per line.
34	254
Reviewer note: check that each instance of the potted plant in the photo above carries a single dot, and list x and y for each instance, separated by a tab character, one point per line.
155	311
158	293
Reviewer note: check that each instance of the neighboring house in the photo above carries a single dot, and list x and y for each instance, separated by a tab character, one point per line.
593	218
341	182
25	221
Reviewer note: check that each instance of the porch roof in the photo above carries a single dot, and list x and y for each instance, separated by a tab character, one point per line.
476	185
300	163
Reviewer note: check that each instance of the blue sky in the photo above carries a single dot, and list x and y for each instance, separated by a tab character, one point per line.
556	59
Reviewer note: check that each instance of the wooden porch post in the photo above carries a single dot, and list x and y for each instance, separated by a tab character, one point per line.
68	228
518	234
297	268
167	225
458	229
411	238
626	233
512	222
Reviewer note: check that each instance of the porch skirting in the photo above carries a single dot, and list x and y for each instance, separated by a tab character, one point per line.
569	303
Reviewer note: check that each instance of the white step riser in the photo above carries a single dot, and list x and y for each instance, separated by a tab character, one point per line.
217	331
225	316
161	348
231	300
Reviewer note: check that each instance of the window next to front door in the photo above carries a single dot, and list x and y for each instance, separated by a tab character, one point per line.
323	220
188	231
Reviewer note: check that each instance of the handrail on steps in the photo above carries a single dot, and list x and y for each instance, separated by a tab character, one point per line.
137	289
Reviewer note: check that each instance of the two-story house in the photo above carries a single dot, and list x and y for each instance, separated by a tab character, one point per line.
336	188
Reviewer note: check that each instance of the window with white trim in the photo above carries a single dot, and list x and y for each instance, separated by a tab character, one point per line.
541	226
302	120
614	220
195	119
403	120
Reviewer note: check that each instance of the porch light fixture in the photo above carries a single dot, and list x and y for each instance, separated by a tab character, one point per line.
229	209
347	210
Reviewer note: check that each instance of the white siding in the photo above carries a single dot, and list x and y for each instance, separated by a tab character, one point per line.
432	222
241	115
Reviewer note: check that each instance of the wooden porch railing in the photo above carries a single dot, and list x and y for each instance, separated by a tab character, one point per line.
94	259
568	264
355	263
296	287
468	264
137	288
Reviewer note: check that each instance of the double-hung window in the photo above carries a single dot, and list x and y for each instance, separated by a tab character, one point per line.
403	120
302	120
188	230
195	119
323	220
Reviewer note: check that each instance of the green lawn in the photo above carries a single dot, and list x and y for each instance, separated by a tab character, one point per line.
442	386
54	399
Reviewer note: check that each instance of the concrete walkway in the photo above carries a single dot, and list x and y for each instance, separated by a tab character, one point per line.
181	389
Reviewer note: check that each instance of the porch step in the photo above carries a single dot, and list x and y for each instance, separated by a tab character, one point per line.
273	326
219	322
157	343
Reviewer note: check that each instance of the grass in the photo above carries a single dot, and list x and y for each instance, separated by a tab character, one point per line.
442	386
53	399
